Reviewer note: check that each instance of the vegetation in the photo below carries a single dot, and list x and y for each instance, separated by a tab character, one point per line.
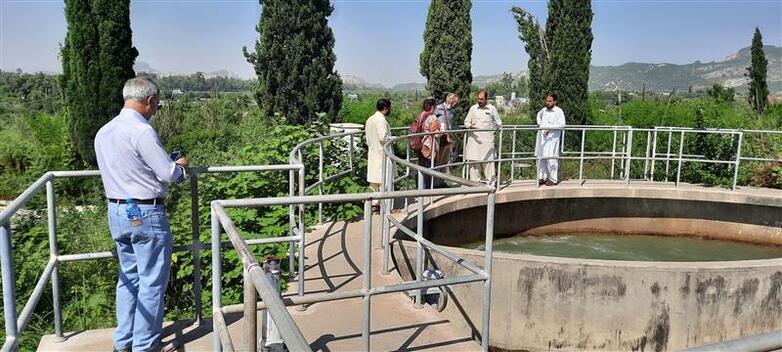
97	59
294	60
445	59
758	88
560	56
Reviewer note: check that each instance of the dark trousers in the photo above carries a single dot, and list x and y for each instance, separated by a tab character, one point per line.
427	163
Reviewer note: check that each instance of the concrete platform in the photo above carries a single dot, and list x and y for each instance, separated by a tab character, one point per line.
334	263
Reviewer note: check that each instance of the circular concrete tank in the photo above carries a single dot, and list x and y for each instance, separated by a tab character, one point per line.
552	303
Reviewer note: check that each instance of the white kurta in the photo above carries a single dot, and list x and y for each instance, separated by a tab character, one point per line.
480	145
377	132
549	119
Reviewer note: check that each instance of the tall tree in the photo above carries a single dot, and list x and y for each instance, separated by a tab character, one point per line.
445	60
758	87
294	61
97	59
560	55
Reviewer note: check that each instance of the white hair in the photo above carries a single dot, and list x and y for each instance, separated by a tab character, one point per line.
451	98
139	89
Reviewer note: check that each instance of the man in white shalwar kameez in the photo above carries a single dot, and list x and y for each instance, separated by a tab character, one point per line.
480	145
549	120
377	132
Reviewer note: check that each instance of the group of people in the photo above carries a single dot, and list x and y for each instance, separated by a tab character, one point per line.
136	172
434	149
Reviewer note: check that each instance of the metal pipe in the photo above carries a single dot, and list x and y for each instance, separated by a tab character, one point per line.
351	197
320	179
646	155
367	274
513	155
35	296
668	155
487	265
217	285
220	332
302	241
681	150
770	341
499	162
581	159
51	210
613	155
629	156
654	153
195	226
738	160
419	250
438	249
423	285
294	340
385	236
250	314
9	284
295	300
21	200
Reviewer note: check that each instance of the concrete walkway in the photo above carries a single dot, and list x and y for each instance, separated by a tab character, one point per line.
334	262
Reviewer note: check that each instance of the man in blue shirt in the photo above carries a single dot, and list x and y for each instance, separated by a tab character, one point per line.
133	165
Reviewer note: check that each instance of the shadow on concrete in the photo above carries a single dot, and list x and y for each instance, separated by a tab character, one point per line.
321	343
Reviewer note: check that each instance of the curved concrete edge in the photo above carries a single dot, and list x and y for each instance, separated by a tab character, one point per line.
542	303
640	190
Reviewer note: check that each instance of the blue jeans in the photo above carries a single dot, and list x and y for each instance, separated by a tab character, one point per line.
145	259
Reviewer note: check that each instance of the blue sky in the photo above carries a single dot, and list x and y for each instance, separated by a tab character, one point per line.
380	40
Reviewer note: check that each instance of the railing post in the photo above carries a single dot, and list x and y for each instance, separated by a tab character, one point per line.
581	157
622	160
9	284
646	157
250	313
738	161
654	153
613	155
385	240
513	157
51	208
487	265
350	152
195	224
217	277
302	233
629	155
419	251
320	181
668	155
499	162
681	151
367	274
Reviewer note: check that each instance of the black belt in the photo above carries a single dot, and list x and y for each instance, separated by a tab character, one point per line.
156	201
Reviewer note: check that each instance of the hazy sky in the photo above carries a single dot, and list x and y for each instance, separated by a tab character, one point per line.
380	40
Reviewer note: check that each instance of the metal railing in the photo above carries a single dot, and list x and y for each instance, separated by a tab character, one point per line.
15	323
623	152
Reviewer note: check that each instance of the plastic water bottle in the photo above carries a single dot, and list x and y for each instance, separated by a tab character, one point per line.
133	212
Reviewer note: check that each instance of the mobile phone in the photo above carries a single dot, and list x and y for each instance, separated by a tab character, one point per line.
175	155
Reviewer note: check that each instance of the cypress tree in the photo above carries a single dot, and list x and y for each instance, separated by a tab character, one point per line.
758	87
294	61
97	59
559	56
445	59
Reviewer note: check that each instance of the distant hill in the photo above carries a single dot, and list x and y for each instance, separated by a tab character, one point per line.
143	67
664	77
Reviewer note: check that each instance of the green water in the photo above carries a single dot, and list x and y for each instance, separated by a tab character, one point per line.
632	247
